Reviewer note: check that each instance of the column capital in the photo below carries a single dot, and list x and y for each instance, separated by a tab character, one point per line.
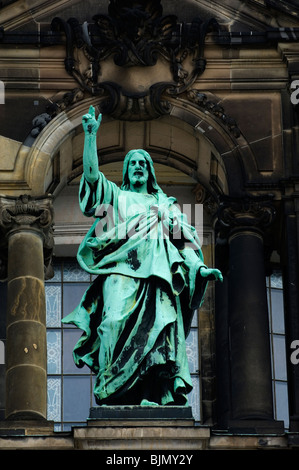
18	213
253	213
26	213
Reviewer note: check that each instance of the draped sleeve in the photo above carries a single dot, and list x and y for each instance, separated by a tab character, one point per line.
92	195
185	238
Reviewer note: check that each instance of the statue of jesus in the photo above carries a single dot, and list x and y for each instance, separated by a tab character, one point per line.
150	278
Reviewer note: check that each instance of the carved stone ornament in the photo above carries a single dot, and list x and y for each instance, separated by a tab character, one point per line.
25	210
255	212
23	213
206	104
102	56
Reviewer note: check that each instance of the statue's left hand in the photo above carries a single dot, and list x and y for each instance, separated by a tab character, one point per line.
213	274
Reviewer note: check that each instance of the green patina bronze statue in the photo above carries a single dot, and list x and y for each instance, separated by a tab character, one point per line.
151	276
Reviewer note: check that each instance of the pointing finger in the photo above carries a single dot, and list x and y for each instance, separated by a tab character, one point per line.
92	111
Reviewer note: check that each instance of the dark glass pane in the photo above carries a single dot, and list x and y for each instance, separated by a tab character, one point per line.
92	395
277	311
76	398
282	409
70	338
72	295
68	426
279	357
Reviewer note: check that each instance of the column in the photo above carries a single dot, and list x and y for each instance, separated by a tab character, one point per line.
250	362
27	224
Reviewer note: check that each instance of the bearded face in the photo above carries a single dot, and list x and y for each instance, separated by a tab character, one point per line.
137	171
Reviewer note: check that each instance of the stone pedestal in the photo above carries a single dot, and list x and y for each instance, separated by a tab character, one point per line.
141	428
13	428
141	415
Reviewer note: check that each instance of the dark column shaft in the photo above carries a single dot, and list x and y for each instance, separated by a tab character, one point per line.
245	220
249	333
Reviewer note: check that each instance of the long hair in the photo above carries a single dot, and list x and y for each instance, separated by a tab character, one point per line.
152	185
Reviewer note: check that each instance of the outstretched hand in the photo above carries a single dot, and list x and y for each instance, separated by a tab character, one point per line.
213	274
90	123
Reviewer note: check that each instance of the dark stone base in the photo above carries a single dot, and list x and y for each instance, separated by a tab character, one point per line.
294	423
256	426
20	427
142	415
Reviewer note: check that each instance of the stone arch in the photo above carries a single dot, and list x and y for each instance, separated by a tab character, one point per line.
51	162
188	140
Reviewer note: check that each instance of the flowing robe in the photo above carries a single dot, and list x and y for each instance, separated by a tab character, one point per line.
136	314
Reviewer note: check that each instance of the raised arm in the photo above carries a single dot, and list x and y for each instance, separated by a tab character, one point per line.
90	156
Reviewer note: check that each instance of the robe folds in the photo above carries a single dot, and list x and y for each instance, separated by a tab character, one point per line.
137	313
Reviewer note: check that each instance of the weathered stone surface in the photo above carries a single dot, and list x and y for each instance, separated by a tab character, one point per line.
141	416
26	392
26	299
146	438
26	225
31	244
28	346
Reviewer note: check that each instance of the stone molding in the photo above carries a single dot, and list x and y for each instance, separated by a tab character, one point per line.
135	34
26	213
246	213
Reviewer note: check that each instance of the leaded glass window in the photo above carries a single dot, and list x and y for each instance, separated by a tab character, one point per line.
70	389
278	347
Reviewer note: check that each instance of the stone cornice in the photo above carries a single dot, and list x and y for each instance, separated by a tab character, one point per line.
254	14
223	37
22	12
